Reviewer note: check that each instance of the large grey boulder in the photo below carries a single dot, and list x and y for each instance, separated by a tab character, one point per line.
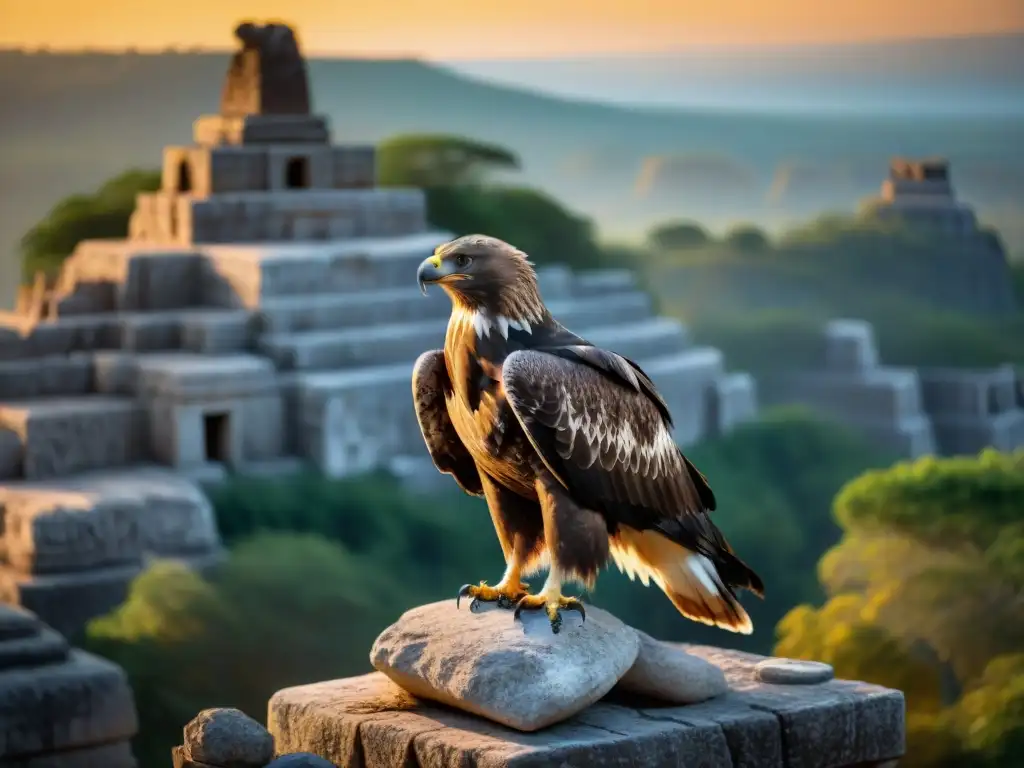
518	674
668	673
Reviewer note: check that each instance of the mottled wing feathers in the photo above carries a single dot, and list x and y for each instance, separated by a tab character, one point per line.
430	384
608	443
619	368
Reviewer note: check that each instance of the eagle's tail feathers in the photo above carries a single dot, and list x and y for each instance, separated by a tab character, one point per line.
689	579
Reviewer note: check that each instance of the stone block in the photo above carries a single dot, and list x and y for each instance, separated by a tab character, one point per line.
732	400
370	720
63	713
50	531
348	423
184	377
977	394
354	167
46	377
236	168
850	346
299	166
262	428
68	435
216	332
210	130
10	454
684	380
115	373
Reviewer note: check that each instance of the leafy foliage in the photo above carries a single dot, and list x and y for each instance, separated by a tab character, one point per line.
747	238
454	173
438	160
102	214
676	235
924	595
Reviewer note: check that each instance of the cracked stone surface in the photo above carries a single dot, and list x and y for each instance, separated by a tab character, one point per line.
370	722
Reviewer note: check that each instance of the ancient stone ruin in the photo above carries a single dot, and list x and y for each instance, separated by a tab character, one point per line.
909	412
972	275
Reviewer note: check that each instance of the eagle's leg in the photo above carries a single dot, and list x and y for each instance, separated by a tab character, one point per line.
520	528
552	601
577	541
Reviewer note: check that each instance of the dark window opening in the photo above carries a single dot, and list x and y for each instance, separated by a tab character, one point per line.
935	173
216	437
184	177
296	173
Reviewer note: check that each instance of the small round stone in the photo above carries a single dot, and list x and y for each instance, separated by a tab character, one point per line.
301	760
793	672
228	737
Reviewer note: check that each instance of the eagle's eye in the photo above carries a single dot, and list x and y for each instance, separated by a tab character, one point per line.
462	260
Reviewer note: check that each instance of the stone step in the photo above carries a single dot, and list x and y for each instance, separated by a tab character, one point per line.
62	436
295	314
382	344
249	275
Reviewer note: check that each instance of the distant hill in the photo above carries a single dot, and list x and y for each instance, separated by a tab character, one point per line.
69	121
977	74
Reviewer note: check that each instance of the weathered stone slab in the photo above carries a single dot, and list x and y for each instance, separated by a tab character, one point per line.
46	377
187	376
75	434
370	722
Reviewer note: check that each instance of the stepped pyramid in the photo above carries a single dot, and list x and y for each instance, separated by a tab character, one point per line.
263	313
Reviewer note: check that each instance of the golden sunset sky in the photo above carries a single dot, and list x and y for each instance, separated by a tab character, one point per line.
451	29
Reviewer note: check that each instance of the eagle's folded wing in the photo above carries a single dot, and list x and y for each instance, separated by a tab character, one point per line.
430	383
607	438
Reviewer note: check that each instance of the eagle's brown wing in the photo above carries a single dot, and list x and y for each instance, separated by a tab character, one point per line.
606	439
430	384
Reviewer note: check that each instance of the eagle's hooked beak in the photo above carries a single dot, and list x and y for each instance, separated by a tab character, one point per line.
432	270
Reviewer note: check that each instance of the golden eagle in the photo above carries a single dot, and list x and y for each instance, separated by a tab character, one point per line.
570	445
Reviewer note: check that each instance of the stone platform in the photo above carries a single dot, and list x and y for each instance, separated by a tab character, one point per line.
370	722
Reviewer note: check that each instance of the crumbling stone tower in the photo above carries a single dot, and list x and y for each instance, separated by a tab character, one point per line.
263	170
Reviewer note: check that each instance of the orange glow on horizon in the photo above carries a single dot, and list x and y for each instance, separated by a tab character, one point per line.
458	29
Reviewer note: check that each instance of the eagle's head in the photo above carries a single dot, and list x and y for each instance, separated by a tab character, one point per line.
485	274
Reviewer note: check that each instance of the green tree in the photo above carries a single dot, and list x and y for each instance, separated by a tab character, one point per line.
455	175
924	595
747	238
102	214
676	235
438	160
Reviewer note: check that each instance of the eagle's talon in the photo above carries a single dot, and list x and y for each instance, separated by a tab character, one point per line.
506	596
552	608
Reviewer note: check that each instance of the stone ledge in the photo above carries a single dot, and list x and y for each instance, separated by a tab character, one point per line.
368	721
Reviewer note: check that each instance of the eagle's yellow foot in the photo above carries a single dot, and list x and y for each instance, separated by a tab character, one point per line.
552	607
505	595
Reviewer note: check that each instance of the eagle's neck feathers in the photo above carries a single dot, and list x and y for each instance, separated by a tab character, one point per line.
484	323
